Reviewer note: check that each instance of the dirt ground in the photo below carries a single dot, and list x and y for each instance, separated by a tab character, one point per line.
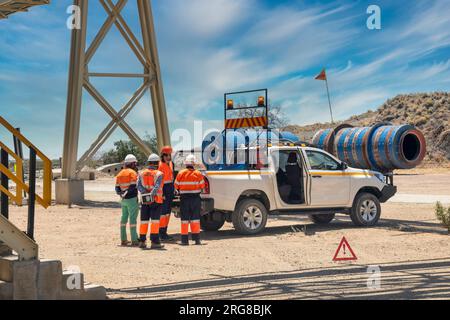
410	247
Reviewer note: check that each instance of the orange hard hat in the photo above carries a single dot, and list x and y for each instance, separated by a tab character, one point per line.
167	150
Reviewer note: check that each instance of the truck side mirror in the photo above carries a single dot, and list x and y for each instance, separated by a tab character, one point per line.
344	166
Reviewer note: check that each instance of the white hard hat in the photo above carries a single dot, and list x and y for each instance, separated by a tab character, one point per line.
191	160
153	158
130	159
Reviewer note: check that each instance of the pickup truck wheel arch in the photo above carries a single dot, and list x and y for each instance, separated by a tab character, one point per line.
254	194
372	190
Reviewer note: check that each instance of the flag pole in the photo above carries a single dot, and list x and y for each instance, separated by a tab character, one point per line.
329	100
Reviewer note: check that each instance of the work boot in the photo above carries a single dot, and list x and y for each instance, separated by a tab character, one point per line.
196	239
166	238
135	243
156	246
142	245
125	243
184	240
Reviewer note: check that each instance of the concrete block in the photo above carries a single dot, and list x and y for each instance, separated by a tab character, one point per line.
94	292
6	290
72	280
49	280
69	191
25	275
90	292
7	268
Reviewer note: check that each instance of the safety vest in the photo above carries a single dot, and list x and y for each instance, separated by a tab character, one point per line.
190	181
126	178
148	178
167	170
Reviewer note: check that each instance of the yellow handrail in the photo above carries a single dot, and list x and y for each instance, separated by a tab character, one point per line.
46	198
18	197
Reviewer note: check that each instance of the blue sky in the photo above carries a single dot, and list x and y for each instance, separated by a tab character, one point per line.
208	47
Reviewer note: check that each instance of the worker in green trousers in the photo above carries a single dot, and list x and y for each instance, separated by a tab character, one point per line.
126	188
130	211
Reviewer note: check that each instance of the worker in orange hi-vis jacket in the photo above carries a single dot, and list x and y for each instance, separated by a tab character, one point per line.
151	188
190	183
166	167
126	188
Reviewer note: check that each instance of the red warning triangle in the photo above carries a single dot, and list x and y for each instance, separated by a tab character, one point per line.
344	252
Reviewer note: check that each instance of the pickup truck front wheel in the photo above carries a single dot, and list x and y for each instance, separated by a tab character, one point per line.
250	217
366	210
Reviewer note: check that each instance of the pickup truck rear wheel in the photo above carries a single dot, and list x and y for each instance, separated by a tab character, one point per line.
322	218
250	217
207	223
366	210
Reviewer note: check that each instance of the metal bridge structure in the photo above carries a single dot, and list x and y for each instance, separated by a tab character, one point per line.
70	189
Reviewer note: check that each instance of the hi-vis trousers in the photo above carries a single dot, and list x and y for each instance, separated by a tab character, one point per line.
150	215
190	210
130	211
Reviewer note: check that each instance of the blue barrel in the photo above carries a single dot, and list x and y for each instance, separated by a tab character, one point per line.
382	147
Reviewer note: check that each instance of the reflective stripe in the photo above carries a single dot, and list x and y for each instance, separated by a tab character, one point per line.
168	181
184	222
123	184
123	225
187	183
145	222
191	192
133	225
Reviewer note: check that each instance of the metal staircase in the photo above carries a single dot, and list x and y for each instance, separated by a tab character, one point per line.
22	275
10	235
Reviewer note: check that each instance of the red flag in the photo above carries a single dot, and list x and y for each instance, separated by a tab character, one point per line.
322	75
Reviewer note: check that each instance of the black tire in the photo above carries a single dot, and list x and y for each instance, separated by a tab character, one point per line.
322	218
208	224
366	210
250	217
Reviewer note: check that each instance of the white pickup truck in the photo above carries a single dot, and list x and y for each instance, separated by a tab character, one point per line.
297	180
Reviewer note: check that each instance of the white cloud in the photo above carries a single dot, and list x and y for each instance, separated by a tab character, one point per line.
205	18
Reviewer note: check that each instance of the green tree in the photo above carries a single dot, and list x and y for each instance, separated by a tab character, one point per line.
123	148
277	118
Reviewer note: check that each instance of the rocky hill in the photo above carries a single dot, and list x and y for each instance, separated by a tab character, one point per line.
429	112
